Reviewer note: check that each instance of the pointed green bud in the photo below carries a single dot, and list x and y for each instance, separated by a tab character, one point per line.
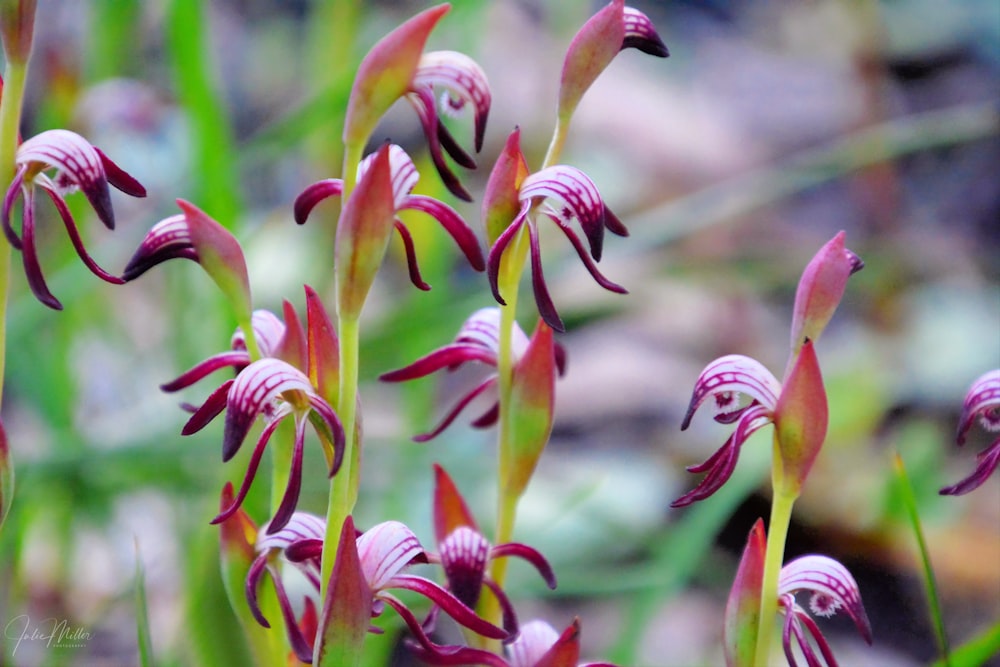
800	421
501	201
347	609
743	607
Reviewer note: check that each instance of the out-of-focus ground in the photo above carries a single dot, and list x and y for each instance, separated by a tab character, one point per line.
773	125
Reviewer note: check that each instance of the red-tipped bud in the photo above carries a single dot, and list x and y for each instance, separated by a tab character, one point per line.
820	290
501	201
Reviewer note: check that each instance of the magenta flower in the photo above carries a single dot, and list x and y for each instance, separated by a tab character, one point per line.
464	552
982	404
478	341
273	389
404	178
564	194
539	645
833	588
384	553
77	165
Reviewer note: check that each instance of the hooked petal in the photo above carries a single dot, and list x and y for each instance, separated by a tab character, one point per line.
453	223
450	604
120	178
986	462
208	366
448	356
832	587
982	402
464	81
209	410
494	260
168	239
440	140
313	195
543	300
641	34
734	373
529	554
572	196
484	421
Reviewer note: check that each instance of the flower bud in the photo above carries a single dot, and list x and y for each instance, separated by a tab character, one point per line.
743	607
820	290
800	421
17	27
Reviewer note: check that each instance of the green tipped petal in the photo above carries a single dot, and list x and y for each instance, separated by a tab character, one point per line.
743	607
347	608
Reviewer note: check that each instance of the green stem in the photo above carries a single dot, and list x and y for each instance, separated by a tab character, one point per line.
558	141
777	532
11	101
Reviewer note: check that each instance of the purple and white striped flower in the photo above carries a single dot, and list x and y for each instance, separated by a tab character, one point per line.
273	389
832	588
404	177
564	194
982	404
77	165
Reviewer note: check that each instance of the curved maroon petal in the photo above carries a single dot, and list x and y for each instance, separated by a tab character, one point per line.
731	374
169	238
254	575
16	188
488	418
120	178
209	410
453	224
336	430
456	410
982	402
251	473
576	197
411	257
588	262
436	654
29	257
294	485
495	255
233	359
422	100
794	620
509	614
465	82
302	649
449	604
464	555
314	194
529	554
452	147
448	356
986	463
543	299
613	223
74	234
641	34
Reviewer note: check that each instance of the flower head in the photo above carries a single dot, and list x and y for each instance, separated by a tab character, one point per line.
478	341
77	165
563	194
982	404
404	177
273	389
832	588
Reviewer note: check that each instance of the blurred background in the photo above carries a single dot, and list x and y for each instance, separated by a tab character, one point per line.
773	125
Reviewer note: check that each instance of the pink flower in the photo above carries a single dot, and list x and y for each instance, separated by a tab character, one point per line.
982	404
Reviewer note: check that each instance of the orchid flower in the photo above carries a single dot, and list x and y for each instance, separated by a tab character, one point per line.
833	588
797	407
77	165
464	552
274	389
539	645
982	404
384	552
464	83
564	194
478	340
404	177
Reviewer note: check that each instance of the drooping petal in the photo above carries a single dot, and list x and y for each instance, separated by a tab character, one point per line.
589	263
733	374
205	368
410	252
448	356
543	300
483	421
29	256
252	465
448	603
494	261
986	463
76	161
119	178
453	223
209	410
529	554
982	403
439	140
313	195
290	499
832	588
641	34
16	188
385	549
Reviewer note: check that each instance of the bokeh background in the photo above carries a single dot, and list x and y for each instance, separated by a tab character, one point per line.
773	125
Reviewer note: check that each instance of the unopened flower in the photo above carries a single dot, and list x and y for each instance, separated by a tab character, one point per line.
77	165
275	390
539	645
478	341
832	588
404	177
612	29
982	404
564	194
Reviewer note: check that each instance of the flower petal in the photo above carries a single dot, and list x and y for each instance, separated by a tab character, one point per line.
453	223
313	195
529	554
982	402
734	373
572	196
641	34
465	82
826	577
385	549
169	238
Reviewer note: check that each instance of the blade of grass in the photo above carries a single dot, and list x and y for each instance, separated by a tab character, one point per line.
909	499
977	651
142	613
